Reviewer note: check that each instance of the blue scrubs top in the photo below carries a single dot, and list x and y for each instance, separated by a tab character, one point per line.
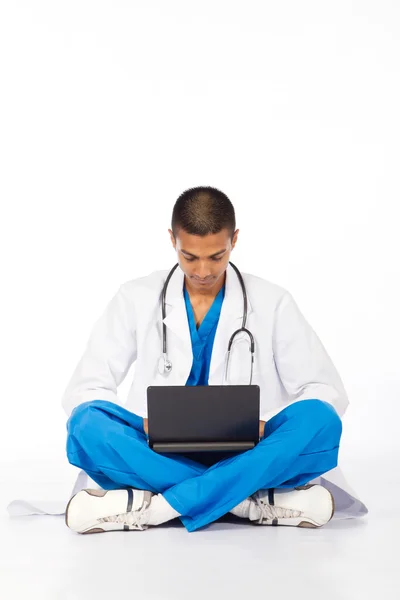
203	338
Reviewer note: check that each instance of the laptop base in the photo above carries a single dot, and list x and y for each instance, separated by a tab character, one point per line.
201	446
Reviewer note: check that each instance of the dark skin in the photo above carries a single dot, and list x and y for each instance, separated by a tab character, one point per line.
203	258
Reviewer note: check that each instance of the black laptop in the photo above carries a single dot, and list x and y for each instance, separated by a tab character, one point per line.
203	418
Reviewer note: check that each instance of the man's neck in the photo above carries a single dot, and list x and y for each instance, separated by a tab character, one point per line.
204	295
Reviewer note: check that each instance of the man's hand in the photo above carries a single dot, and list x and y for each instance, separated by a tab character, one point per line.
146	426
262	425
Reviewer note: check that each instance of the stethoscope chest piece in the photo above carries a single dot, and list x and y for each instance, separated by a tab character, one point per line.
164	365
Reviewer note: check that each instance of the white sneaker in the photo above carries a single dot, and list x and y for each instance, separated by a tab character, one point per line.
96	511
305	506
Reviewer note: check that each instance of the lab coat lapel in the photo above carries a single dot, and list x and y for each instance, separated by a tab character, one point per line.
230	319
179	343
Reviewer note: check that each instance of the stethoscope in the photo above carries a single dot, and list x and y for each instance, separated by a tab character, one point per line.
165	365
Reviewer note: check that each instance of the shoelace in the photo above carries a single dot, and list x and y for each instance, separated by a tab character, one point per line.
129	518
274	512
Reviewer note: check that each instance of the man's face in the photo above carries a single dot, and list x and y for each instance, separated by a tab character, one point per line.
203	259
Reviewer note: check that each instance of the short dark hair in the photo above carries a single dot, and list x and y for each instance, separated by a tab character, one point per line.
203	210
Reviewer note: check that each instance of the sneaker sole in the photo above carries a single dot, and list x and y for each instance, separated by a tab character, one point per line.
93	492
308	524
314	525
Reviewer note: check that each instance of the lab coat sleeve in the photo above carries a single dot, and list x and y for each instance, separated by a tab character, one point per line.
303	365
110	351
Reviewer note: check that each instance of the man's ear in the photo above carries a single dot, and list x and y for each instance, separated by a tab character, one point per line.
235	237
172	237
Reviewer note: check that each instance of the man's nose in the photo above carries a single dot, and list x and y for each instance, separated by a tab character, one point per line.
203	271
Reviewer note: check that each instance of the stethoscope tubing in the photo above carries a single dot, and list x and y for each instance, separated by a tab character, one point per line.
167	362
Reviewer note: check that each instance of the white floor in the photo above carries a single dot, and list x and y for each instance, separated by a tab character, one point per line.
41	558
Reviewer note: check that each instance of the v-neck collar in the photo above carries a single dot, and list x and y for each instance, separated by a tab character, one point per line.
200	335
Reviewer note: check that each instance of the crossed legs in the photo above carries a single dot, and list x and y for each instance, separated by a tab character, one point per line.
108	442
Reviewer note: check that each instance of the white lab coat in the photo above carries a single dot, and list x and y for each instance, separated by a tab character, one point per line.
290	362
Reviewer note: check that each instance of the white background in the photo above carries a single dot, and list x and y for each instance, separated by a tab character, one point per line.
111	109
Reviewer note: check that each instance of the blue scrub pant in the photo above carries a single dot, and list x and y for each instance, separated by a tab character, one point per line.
109	443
